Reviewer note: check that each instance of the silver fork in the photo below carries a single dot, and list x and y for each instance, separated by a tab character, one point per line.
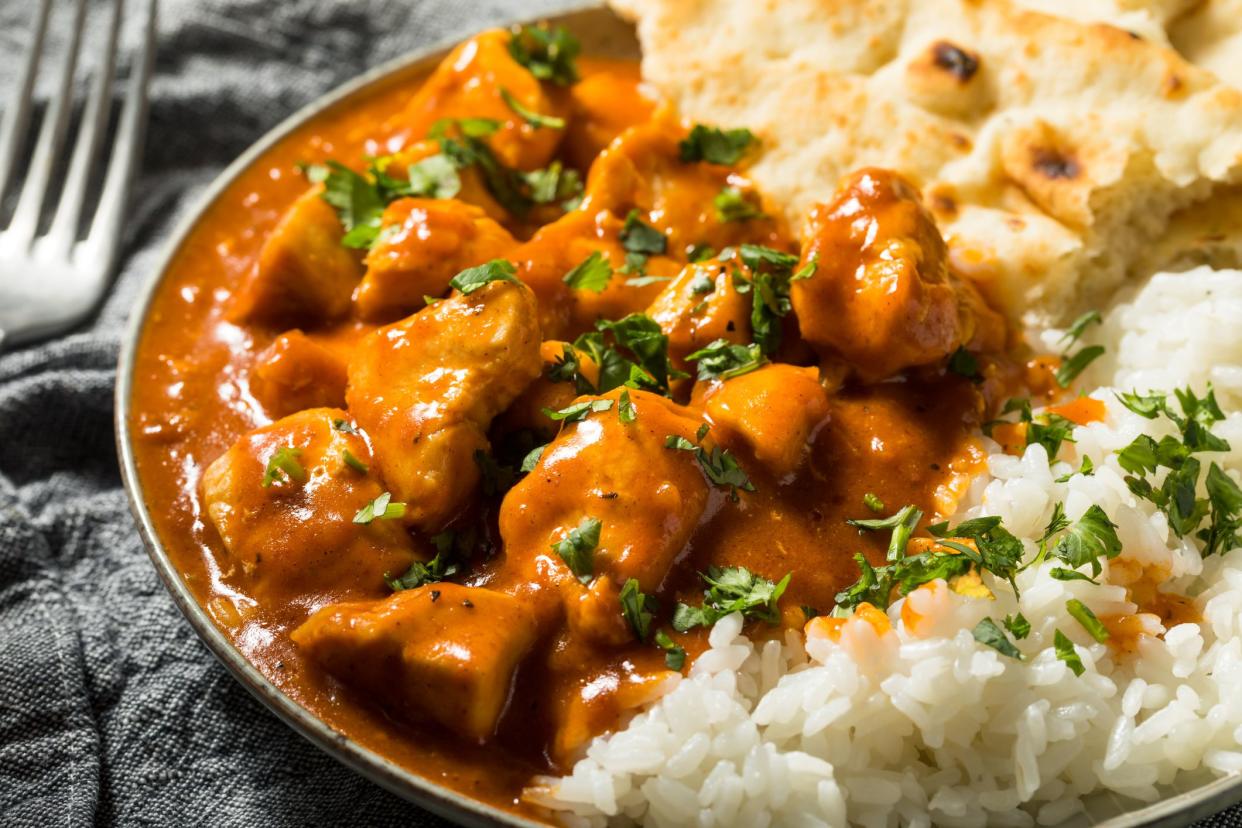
51	281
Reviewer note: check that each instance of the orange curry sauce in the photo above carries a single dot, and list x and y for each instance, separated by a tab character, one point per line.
240	335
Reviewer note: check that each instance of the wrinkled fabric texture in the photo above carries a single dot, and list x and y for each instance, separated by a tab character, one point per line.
111	711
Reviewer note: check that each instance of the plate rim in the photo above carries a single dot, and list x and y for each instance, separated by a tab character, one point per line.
1180	809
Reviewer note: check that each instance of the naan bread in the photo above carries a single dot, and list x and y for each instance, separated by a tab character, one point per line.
1052	152
1208	33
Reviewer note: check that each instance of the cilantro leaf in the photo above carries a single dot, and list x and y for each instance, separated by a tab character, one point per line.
1017	625
498	478
1050	433
638	237
1091	537
1148	406
964	364
381	508
732	589
1083	614
732	204
283	465
989	633
531	459
592	274
578	411
719	465
1086	469
358	203
642	336
1065	652
1074	365
715	145
1079	326
807	270
353	462
473	278
548	54
420	573
626	412
674	655
535	119
434	177
902	522
723	360
577	548
637	608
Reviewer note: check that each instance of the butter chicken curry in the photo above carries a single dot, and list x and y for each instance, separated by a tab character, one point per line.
468	408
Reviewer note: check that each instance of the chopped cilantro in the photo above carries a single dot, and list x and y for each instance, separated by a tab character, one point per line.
510	187
626	412
643	281
435	177
989	632
497	478
592	274
642	336
902	522
420	573
1074	365
637	608
639	237
714	145
733	205
473	278
1083	614
768	285
555	183
1017	625
1066	652
535	119
577	548
343	426
353	462
964	364
1225	499
1079	326
358	202
674	655
283	465
1092	537
807	270
1086	469
548	54
724	360
700	253
381	508
719	465
578	411
531	459
732	589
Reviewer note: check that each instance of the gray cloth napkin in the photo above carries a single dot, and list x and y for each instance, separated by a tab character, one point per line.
111	711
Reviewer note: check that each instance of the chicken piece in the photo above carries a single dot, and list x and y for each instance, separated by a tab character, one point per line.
295	537
295	373
603	105
426	389
700	306
422	245
771	412
647	497
303	274
642	170
882	296
441	651
558	248
468	83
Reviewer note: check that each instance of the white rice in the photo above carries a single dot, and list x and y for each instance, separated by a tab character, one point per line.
894	729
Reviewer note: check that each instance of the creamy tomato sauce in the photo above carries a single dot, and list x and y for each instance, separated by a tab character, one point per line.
251	329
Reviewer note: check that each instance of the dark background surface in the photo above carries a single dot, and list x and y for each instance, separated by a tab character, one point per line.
111	711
